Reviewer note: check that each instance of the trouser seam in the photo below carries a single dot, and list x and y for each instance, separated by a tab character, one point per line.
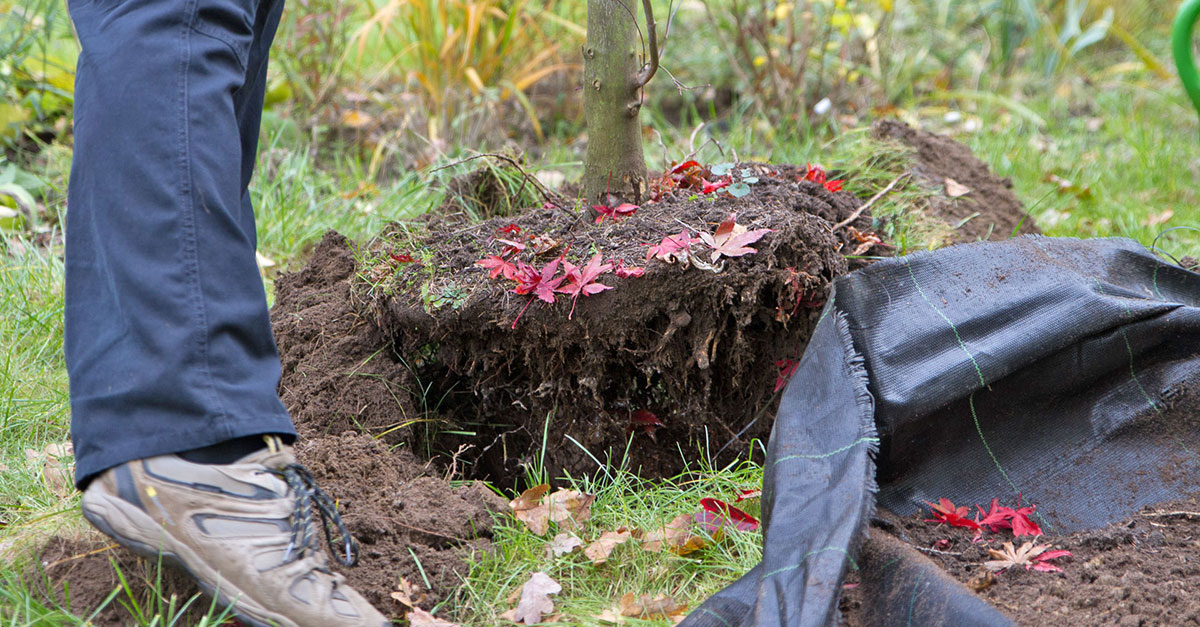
190	237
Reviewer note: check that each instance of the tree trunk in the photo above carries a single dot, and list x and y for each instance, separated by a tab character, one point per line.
614	162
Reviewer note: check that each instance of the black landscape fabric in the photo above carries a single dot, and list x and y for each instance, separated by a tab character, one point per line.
1040	367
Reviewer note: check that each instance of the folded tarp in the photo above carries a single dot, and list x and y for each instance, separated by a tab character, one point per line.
1040	367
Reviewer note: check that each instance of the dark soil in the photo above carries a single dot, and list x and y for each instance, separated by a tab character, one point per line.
76	573
989	211
696	348
402	374
1141	571
1144	570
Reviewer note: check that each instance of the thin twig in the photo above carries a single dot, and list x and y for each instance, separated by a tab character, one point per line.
648	71
858	212
692	139
921	548
1180	514
550	196
79	556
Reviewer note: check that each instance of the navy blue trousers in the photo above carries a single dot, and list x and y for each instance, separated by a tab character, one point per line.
168	341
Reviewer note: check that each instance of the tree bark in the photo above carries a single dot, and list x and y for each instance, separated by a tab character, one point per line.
614	162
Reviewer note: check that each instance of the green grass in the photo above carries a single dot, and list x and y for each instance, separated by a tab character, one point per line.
622	500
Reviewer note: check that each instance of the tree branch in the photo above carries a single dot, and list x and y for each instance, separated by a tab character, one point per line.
650	68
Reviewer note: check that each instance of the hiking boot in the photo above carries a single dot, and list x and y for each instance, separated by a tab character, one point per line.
244	531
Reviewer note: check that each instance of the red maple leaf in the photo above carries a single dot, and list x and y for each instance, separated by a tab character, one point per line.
498	265
645	420
787	368
672	248
685	165
814	173
1040	562
728	515
583	280
834	186
628	272
1021	525
710	187
1017	519
748	493
732	239
623	210
540	283
511	247
946	512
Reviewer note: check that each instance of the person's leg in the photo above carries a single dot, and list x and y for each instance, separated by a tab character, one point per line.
168	339
169	346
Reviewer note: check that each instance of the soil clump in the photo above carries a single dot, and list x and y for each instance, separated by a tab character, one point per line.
988	211
480	374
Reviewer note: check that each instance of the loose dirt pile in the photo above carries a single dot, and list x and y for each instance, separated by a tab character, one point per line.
987	210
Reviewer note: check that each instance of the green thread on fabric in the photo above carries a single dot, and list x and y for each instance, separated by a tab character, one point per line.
912	601
829	454
1133	371
716	615
978	372
838	549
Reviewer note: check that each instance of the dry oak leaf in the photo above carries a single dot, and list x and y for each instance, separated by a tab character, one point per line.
535	600
420	618
408	594
645	606
57	468
528	508
1028	555
569	509
599	550
732	239
676	537
562	544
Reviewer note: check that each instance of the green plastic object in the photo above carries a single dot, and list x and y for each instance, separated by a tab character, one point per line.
1181	43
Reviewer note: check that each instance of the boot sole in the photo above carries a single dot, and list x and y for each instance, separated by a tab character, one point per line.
95	509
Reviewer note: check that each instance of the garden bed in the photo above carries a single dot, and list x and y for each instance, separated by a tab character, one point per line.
407	363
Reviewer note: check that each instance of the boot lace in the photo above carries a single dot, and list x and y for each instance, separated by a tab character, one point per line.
304	487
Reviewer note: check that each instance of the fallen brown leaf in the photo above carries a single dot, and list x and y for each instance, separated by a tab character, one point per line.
420	618
982	581
569	509
599	550
645	606
57	469
1156	219
408	594
676	537
528	509
563	543
535	600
